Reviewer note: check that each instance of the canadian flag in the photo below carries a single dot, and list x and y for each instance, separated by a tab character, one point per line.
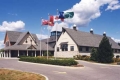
44	22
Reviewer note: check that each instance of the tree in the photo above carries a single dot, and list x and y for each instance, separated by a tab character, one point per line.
1	50
93	54
105	53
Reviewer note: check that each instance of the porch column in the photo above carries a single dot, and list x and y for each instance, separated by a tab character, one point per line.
35	53
4	54
42	53
27	52
18	53
9	54
0	54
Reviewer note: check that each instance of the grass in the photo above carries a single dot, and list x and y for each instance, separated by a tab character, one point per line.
6	74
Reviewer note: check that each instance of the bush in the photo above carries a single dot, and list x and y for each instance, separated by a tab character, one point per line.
93	54
82	57
49	53
116	59
63	62
22	56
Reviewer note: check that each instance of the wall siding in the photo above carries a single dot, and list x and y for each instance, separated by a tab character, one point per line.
66	38
28	38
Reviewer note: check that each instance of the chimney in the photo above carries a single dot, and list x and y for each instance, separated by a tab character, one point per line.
74	27
104	34
91	31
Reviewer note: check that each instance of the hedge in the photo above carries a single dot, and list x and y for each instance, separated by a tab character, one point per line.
62	62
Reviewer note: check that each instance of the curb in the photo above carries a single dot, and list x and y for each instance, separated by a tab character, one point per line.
46	78
100	63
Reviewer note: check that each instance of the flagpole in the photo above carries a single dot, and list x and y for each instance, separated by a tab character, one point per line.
47	38
56	38
40	36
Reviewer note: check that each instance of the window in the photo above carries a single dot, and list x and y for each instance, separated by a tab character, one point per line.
64	47
72	48
87	48
115	50
80	48
57	48
7	43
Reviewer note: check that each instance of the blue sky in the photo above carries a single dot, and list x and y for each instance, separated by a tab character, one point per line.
25	15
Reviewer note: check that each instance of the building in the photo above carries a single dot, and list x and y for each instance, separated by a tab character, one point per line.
73	42
70	42
23	43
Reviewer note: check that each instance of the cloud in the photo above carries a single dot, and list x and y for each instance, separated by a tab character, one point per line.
58	26
87	10
113	5
116	40
13	14
42	36
12	26
1	44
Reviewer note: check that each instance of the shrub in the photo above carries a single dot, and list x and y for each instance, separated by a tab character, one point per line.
116	59
82	57
49	53
63	62
93	54
22	56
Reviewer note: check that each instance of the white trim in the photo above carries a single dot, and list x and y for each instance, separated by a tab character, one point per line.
18	53
9	53
35	53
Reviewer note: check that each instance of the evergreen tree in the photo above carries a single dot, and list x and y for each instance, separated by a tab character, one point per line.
119	44
93	54
105	53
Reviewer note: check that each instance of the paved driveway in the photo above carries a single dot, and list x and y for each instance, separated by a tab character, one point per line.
89	72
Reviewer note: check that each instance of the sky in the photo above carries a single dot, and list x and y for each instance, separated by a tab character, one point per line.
25	15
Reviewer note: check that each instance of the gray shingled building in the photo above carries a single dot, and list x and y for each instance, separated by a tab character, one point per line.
23	43
70	42
73	42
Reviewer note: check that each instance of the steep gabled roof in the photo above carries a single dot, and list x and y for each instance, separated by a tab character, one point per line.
22	35
87	39
15	36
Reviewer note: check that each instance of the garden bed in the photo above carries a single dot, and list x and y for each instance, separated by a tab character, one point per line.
62	62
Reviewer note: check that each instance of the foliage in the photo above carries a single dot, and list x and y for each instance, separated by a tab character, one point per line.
82	57
1	50
105	53
63	62
116	60
93	54
49	53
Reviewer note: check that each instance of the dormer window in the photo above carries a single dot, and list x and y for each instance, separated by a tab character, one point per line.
7	43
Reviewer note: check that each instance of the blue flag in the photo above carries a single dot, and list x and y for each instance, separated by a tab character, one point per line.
61	15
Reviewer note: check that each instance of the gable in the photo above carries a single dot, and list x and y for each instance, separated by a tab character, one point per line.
28	39
6	38
31	47
65	38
